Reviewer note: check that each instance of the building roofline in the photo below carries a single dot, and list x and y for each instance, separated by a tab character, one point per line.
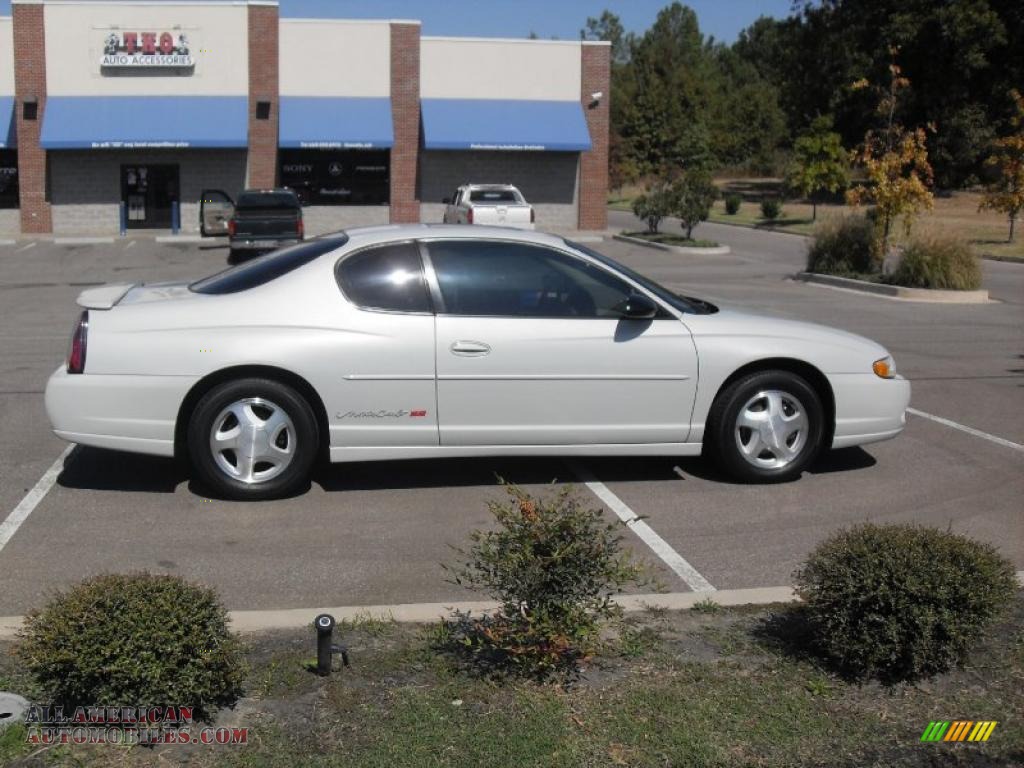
127	4
471	39
336	20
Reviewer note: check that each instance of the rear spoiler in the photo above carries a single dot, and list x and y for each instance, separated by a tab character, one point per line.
104	296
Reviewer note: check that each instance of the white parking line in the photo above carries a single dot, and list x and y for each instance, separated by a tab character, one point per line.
21	512
658	545
969	430
33	244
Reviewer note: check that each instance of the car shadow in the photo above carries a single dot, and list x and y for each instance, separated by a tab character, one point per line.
105	470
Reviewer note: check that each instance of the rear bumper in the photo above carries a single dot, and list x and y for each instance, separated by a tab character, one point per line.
257	244
869	409
125	413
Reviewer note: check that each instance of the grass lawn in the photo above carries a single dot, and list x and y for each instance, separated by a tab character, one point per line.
696	688
954	213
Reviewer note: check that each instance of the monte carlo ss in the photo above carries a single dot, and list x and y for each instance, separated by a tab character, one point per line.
425	341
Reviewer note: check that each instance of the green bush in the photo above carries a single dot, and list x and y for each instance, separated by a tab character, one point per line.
653	206
901	602
134	640
732	204
771	208
843	245
693	194
945	263
554	565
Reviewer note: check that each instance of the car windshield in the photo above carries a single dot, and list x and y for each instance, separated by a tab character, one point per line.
268	267
282	200
493	196
688	304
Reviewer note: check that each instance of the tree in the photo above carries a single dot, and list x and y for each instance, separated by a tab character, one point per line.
653	206
1006	192
820	164
896	161
692	195
608	27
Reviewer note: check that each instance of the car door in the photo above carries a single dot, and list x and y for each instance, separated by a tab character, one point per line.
384	394
215	211
532	349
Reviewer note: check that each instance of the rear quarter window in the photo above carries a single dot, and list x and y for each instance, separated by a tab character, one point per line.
264	269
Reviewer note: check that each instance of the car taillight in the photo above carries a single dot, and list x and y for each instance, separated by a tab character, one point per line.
302	230
469	216
533	218
76	356
231	227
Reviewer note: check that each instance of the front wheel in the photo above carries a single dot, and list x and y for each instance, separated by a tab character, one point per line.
252	439
766	427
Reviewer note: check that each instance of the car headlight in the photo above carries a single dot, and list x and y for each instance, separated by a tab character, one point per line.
885	368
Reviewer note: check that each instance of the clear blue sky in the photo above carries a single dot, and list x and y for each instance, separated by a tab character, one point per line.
517	18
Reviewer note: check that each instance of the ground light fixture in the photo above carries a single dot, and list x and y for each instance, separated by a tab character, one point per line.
325	624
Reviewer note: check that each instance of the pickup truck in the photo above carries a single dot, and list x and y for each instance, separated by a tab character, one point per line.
499	205
260	220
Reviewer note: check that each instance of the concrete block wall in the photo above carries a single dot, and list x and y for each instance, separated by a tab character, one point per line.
320	219
548	180
10	222
86	184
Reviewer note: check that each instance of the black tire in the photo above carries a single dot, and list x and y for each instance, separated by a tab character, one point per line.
305	440
722	430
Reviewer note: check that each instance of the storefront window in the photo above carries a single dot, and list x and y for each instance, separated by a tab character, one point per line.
343	177
8	178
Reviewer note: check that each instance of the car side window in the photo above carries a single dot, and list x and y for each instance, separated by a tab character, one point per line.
512	279
388	277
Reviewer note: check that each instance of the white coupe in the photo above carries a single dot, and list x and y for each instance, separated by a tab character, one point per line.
424	341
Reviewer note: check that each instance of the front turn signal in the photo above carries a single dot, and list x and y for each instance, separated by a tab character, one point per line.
884	368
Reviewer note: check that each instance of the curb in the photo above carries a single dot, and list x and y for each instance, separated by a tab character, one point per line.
180	239
719	250
757	228
82	240
895	291
1003	259
296	618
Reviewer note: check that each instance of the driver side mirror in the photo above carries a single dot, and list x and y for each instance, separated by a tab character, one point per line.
638	307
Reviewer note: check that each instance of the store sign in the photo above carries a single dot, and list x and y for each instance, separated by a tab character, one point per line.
146	50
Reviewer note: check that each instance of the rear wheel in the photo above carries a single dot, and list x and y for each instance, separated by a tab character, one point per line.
252	439
766	427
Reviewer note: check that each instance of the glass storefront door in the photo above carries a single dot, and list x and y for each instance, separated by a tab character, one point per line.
148	192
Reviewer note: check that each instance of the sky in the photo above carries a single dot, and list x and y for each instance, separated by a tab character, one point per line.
517	18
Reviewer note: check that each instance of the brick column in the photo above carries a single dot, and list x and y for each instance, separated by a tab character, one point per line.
263	86
30	83
593	194
405	117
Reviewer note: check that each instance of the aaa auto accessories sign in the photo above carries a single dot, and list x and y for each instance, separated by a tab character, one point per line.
146	49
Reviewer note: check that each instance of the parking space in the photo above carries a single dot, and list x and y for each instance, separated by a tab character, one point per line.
377	533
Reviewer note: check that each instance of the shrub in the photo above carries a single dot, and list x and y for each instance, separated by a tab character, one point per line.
938	262
133	640
692	196
899	601
554	565
843	245
732	204
771	208
653	206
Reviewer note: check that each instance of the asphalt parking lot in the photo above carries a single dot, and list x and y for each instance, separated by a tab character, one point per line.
373	534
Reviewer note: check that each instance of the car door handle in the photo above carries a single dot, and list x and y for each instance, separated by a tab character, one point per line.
469	348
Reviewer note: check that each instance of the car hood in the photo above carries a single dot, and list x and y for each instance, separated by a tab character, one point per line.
736	324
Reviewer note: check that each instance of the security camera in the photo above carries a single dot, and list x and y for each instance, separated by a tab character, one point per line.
597	95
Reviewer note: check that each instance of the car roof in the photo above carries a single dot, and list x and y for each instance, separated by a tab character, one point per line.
392	232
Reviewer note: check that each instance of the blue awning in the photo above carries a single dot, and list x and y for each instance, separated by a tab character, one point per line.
8	133
557	126
126	122
309	122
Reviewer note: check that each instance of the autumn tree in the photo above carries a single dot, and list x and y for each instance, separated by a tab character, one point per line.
1006	193
896	162
820	164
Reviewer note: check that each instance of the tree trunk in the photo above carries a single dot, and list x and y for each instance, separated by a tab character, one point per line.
689	233
1013	220
814	209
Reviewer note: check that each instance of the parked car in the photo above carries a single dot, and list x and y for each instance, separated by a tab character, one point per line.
425	341
489	204
260	220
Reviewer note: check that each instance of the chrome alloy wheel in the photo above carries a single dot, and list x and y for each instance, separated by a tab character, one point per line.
771	429
252	440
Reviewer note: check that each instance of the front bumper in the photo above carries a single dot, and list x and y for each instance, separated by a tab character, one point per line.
868	408
126	413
